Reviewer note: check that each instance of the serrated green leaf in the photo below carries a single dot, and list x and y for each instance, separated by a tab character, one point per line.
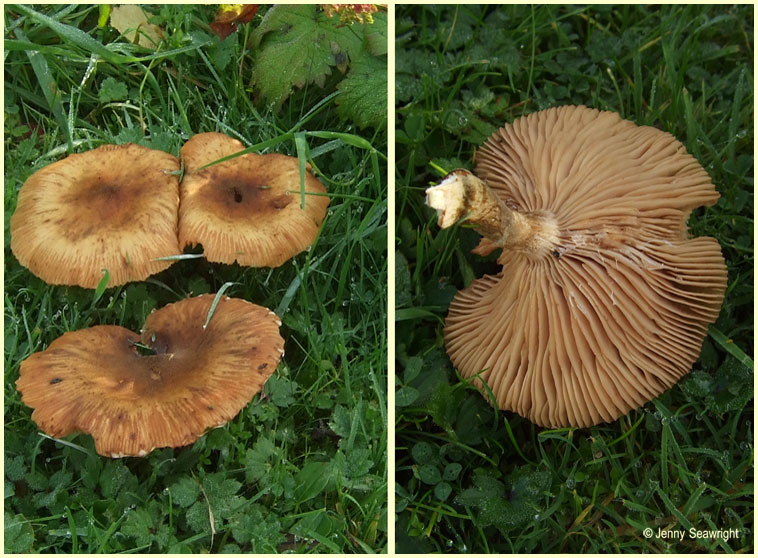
19	535
198	517
698	384
505	510
295	45
257	527
358	463
222	494
114	478
112	90
363	93
37	481
281	391
376	35
340	422
257	460
444	405
138	525
733	387
184	492
15	469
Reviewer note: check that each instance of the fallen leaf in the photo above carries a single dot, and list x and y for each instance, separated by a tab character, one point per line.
130	20
228	16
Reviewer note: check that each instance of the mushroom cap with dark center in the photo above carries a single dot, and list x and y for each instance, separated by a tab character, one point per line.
247	209
131	401
604	301
114	208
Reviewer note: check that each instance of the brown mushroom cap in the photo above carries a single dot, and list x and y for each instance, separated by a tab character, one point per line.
246	209
111	208
96	381
603	300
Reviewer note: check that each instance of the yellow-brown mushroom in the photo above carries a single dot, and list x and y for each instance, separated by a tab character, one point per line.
603	300
162	388
247	209
114	208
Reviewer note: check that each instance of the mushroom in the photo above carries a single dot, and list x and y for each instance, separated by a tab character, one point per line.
246	209
603	300
113	208
98	380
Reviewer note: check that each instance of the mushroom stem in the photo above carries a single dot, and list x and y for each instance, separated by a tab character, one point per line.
461	195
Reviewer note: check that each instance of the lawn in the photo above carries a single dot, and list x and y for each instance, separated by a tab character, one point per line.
473	479
303	467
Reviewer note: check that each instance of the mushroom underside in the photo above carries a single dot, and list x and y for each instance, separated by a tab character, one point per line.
591	337
603	300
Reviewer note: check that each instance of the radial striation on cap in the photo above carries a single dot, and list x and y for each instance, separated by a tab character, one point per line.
191	379
114	208
603	300
247	209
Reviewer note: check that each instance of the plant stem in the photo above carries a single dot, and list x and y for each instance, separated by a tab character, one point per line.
461	195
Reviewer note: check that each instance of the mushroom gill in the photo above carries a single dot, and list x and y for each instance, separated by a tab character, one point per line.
603	300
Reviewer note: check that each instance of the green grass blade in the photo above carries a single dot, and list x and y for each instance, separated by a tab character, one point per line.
302	158
730	347
349	139
101	286
219	294
178	257
50	91
82	40
75	36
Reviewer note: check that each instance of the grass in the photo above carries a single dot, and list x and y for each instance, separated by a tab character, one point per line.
303	467
473	479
